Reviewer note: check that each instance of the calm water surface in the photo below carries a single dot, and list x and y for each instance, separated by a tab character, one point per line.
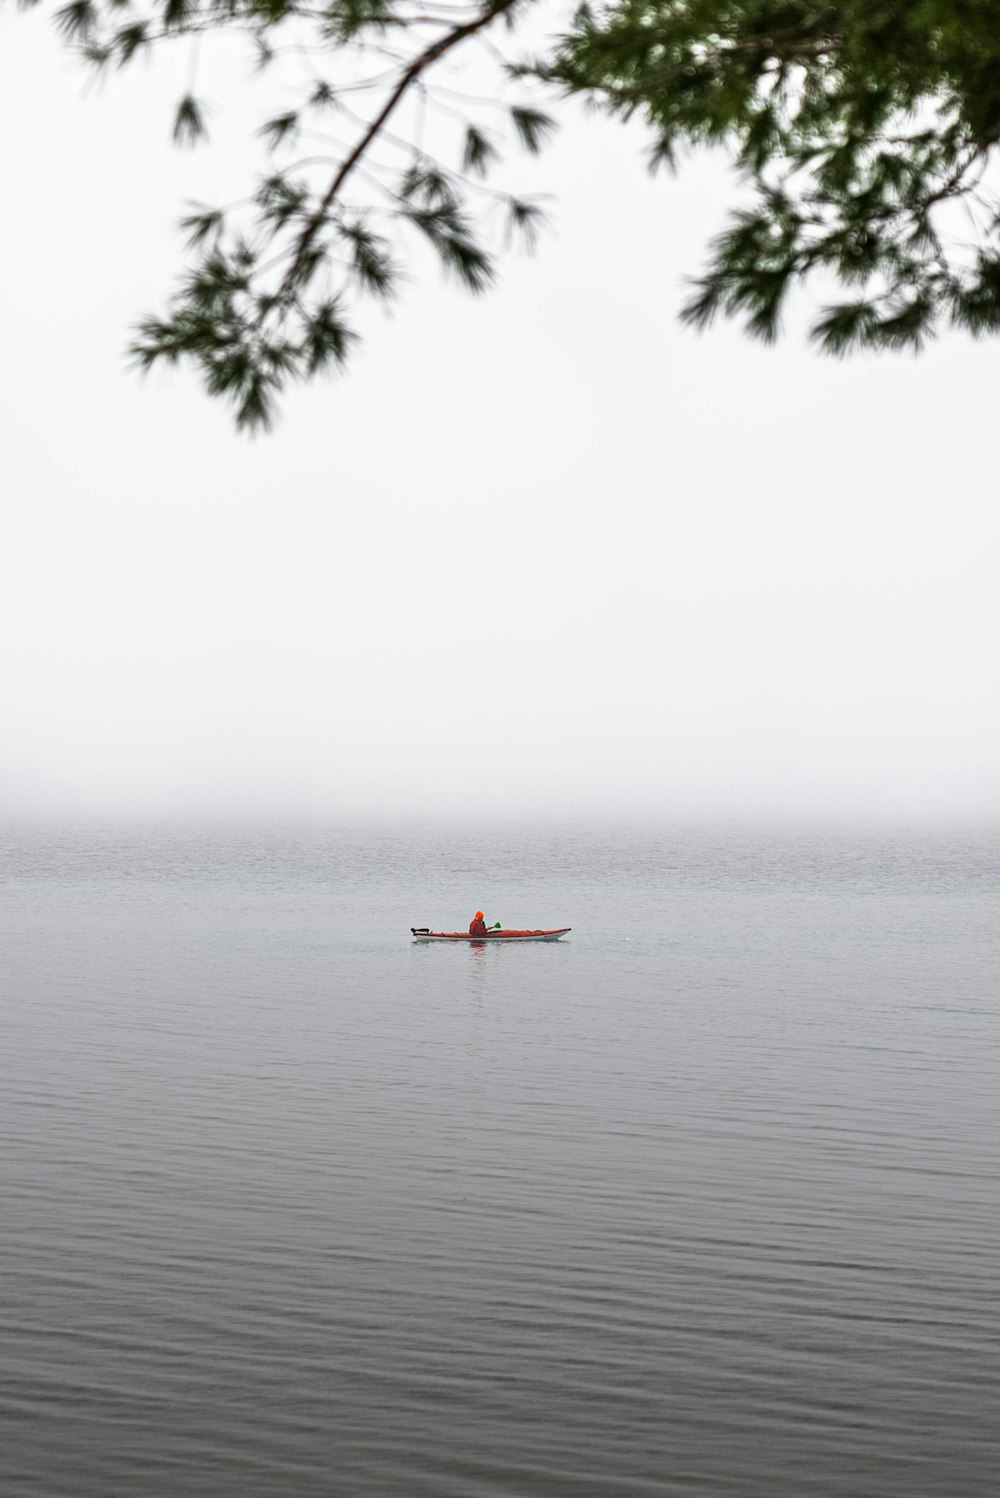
703	1200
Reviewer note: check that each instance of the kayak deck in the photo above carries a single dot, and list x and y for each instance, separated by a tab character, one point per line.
420	934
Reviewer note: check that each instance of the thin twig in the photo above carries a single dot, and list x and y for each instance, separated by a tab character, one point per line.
416	68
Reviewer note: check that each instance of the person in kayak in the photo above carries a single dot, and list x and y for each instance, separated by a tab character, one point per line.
477	926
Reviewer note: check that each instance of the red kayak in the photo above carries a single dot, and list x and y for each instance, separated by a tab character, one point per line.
421	933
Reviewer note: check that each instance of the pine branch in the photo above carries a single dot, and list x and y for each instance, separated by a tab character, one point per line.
426	59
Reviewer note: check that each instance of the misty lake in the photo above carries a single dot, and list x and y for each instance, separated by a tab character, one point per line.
704	1199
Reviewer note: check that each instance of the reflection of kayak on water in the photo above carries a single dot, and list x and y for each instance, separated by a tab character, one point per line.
422	933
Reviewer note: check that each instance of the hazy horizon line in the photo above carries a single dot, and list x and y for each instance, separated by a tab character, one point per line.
491	820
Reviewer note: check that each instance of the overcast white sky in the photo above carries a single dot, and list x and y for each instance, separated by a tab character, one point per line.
546	550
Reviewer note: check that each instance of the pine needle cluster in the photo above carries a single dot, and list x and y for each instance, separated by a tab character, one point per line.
865	131
269	291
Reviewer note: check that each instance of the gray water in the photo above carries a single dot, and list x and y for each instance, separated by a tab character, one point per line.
702	1200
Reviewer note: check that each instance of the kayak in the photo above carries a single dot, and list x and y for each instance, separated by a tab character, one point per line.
421	933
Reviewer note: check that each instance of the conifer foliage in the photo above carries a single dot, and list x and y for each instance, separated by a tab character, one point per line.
864	132
343	197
